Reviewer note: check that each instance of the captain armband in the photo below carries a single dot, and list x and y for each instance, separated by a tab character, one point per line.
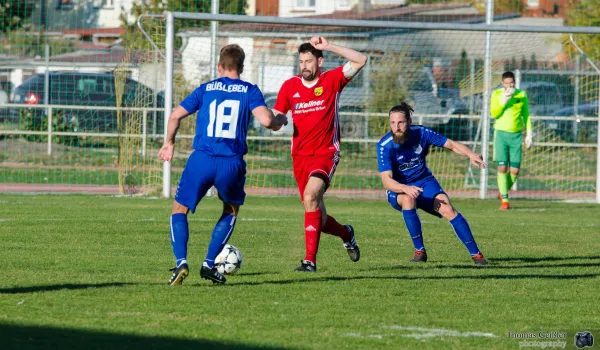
349	71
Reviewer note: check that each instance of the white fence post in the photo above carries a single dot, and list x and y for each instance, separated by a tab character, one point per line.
170	30
49	130
144	131
485	116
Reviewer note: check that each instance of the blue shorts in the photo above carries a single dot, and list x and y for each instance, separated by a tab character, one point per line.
202	171
431	188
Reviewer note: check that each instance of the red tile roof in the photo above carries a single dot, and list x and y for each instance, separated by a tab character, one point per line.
92	31
413	13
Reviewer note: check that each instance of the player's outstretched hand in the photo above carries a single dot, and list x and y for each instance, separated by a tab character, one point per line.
166	152
319	43
413	191
477	160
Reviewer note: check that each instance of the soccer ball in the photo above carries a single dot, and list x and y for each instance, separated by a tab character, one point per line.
229	260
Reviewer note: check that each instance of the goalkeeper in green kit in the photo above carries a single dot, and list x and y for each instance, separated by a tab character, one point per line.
510	109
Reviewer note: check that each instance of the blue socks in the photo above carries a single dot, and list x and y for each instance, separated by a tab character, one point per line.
463	232
220	236
179	236
413	224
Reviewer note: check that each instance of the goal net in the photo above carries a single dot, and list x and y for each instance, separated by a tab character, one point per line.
439	72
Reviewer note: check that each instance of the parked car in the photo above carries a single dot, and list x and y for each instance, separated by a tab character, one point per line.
83	89
544	98
428	97
575	130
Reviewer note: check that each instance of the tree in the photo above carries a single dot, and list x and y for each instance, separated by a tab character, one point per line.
14	14
584	13
533	62
463	69
502	6
133	38
513	63
523	64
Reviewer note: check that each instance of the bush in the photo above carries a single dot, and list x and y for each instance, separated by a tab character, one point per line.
31	121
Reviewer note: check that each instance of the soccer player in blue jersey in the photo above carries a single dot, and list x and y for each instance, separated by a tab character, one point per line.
410	184
224	106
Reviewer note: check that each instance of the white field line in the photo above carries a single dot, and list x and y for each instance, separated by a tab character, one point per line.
421	333
437	332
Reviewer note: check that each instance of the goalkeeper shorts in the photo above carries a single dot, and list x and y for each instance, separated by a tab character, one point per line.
507	148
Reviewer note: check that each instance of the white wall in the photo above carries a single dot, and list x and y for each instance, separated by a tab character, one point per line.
288	8
247	44
108	17
251	7
195	59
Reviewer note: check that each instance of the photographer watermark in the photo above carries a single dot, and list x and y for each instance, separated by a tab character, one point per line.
542	344
551	339
541	339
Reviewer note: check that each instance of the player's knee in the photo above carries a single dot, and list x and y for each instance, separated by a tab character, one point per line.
407	202
447	211
311	197
231	209
179	208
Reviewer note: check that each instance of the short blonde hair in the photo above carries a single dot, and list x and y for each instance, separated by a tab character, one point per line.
232	57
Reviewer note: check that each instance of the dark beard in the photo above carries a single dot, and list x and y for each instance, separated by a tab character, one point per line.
400	139
311	77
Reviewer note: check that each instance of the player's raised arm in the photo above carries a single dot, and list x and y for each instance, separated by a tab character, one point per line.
166	151
357	59
463	150
268	119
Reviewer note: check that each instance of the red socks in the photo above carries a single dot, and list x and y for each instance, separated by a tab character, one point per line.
312	234
333	227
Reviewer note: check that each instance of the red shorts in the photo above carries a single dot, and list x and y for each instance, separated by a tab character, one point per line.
305	166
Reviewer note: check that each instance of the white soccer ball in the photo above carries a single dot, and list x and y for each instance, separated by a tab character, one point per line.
229	260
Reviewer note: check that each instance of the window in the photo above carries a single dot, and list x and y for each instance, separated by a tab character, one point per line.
305	4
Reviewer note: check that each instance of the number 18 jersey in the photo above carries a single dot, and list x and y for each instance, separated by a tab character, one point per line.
224	106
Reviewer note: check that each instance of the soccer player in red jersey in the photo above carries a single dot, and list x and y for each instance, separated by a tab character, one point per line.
313	97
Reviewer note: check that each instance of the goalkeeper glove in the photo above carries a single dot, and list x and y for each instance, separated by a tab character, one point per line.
529	139
508	93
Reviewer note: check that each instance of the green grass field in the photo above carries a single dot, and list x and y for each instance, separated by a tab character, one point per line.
91	271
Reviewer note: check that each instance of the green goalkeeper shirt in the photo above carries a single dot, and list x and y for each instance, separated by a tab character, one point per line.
512	116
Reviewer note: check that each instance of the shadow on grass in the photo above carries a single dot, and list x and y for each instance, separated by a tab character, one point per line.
525	266
37	337
255	273
417	278
497	263
546	258
49	288
492	265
